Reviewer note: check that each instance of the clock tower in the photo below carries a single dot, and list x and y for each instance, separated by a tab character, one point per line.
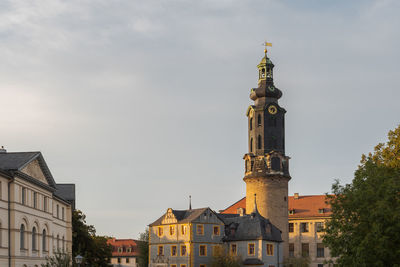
266	165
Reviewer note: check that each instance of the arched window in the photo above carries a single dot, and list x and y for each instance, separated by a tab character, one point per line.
251	144
44	247
22	236
259	144
251	124
63	244
276	164
34	246
259	120
1	239
58	242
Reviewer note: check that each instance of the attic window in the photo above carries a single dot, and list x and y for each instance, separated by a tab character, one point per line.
291	211
321	210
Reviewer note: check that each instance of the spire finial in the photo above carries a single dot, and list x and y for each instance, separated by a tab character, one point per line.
255	204
265	44
190	202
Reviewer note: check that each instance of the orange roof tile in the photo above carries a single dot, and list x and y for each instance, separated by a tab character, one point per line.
303	206
124	244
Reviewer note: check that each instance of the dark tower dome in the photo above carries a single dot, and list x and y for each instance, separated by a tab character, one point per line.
266	86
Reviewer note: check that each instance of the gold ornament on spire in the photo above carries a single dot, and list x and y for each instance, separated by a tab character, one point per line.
265	44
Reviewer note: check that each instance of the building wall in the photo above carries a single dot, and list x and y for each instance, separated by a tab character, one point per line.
132	262
32	215
312	238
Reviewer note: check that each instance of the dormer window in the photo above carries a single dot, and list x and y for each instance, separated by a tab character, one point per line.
321	210
291	211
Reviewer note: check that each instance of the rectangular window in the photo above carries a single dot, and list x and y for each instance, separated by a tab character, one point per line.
304	227
319	227
203	250
305	249
183	229
1	190
171	229
291	250
200	229
320	250
216	230
233	249
251	249
58	211
160	231
173	251
119	260
291	228
45	204
160	250
320	265
270	249
183	265
127	260
183	250
173	265
62	213
23	198
35	200
202	265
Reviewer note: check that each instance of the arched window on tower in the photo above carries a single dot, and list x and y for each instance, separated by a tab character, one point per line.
251	124
259	144
251	144
262	73
276	164
259	120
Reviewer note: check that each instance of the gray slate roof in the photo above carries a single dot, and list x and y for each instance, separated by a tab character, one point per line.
183	216
14	162
250	227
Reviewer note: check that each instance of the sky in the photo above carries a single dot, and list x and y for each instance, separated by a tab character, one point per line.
142	103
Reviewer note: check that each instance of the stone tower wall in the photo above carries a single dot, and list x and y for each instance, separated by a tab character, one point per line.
272	202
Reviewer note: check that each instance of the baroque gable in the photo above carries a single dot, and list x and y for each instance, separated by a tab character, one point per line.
169	217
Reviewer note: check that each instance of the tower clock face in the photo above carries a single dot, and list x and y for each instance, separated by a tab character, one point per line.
272	110
271	88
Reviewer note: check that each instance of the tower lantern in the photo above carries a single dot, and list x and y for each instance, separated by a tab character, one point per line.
266	165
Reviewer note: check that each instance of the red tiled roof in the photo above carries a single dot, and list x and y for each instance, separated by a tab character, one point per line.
124	244
303	206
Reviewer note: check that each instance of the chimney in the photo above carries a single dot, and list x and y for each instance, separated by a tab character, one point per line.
296	196
3	150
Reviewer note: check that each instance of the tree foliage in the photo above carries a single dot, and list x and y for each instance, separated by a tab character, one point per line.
221	258
297	262
59	259
94	249
143	246
365	226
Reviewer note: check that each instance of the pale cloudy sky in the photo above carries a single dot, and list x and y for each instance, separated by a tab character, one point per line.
142	103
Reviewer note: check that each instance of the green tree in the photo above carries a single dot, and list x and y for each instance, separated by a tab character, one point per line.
297	262
59	259
85	242
364	229
143	246
221	258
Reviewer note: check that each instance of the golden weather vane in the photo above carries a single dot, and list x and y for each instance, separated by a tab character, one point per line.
265	44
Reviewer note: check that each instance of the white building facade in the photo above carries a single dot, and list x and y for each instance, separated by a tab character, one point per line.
35	217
